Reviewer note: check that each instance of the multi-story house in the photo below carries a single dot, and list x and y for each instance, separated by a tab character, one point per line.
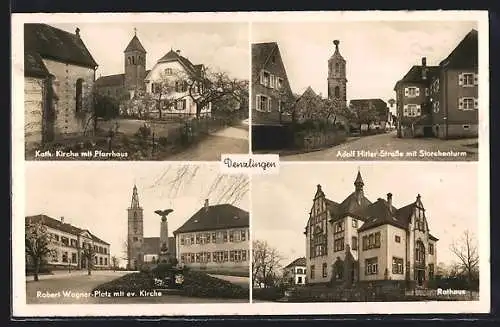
454	91
215	239
413	113
173	83
295	272
441	101
67	244
59	74
358	240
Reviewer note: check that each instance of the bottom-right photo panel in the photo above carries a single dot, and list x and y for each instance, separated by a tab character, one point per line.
344	232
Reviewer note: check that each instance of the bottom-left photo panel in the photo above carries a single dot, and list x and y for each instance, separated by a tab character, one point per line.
135	233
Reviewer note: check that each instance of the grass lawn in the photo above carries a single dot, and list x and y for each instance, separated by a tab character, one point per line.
196	284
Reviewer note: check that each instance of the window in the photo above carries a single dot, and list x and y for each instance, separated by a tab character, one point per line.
299	271
55	256
65	257
135	239
73	257
168	71
420	252
338	245
56	237
431	249
106	261
431	271
181	104
325	270
339	227
218	256
214	237
73	243
337	92
263	103
337	68
182	240
354	243
371	266
397	239
466	127
312	272
411	110
280	83
467	103
435	106
371	241
226	256
467	79
79	94
243	255
100	261
265	78
412	92
224	235
397	265
354	223
65	240
243	235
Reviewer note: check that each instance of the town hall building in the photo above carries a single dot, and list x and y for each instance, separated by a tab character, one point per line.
173	83
357	240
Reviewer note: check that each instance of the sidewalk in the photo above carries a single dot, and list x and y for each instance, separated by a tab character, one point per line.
65	274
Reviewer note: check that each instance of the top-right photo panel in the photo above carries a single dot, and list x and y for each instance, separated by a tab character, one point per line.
369	90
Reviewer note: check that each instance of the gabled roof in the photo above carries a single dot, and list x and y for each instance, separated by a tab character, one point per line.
378	214
261	52
351	205
220	216
414	75
53	43
111	80
63	227
193	70
465	54
34	66
297	262
135	45
151	245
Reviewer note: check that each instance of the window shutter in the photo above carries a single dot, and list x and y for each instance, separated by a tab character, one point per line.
460	103
257	102
405	110
476	106
262	77
406	91
426	91
460	79
475	79
269	104
417	92
418	110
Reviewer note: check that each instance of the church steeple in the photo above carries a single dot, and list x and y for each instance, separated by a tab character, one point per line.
135	65
337	76
358	183
134	204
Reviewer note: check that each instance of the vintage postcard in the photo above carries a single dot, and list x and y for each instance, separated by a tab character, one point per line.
270	163
368	90
135	91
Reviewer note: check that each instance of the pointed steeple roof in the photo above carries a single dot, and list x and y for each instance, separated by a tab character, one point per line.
135	45
336	54
319	192
134	204
359	180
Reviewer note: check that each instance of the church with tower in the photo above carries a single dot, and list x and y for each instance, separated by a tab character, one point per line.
146	250
168	81
337	81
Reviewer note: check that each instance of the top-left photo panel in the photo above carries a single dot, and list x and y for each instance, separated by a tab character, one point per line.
173	91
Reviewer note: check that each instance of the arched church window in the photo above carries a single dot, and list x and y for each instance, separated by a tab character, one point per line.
133	60
79	94
337	92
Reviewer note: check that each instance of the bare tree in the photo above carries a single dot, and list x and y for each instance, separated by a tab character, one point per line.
89	254
37	244
465	249
114	262
266	261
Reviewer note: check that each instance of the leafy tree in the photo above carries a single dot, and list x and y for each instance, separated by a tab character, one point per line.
37	244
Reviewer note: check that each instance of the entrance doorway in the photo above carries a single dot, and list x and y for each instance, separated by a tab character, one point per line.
420	277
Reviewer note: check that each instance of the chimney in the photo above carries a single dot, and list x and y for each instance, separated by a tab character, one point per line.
389	201
62	220
206	204
424	68
77	32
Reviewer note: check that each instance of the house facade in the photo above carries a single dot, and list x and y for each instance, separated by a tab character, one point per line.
67	243
143	250
441	101
215	239
59	79
295	272
358	240
173	84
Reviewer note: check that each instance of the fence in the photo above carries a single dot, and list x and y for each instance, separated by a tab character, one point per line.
316	140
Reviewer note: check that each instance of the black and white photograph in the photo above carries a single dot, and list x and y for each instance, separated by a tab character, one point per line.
368	90
136	234
135	91
373	233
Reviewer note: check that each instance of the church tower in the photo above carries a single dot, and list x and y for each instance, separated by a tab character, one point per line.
135	232
337	76
358	187
135	65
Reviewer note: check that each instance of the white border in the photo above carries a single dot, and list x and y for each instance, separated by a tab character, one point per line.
21	309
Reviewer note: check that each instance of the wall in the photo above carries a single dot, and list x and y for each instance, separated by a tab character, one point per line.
380	253
34	91
327	258
67	123
316	140
396	250
241	266
135	247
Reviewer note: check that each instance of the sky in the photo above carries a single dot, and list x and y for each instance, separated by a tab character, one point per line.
220	46
281	203
98	195
377	54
